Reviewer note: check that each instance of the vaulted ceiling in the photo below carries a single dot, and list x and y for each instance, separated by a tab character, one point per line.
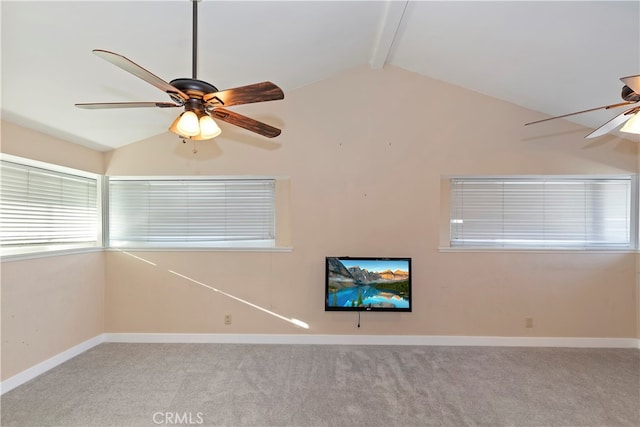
551	57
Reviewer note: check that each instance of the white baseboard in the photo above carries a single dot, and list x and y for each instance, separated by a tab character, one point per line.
52	362
432	340
374	340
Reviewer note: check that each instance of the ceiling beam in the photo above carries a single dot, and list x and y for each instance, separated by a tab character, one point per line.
389	25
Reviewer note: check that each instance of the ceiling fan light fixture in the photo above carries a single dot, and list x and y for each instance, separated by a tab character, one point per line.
188	124
208	127
632	125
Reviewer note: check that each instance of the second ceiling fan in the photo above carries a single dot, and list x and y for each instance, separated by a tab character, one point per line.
631	117
201	100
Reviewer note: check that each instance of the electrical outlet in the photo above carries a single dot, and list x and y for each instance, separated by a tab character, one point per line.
227	319
528	322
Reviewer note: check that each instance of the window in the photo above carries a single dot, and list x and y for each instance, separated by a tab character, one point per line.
164	213
550	212
44	209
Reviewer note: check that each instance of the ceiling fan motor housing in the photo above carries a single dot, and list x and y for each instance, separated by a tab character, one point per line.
629	95
196	89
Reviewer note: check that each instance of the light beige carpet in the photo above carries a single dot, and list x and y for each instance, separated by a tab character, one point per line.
322	385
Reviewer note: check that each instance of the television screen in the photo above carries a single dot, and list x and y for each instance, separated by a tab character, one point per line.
367	284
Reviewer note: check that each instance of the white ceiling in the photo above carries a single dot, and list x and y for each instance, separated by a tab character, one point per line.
552	57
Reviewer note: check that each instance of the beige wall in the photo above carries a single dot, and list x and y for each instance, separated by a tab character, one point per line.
365	153
48	306
53	303
362	158
23	142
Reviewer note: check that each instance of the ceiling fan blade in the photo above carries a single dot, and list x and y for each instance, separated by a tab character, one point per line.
606	107
103	105
257	92
613	123
133	68
633	82
245	122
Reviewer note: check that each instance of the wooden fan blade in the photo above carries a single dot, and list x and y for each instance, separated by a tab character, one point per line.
133	68
633	82
103	105
257	92
606	107
245	122
613	123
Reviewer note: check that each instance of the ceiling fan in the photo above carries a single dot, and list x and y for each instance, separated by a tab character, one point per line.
631	95
201	100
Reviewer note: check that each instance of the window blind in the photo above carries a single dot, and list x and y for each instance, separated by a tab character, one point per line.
188	212
553	212
40	207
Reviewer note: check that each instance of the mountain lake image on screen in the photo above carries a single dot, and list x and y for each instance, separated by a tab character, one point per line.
368	284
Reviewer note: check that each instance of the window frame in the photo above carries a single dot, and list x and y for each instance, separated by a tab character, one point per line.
224	245
448	204
33	250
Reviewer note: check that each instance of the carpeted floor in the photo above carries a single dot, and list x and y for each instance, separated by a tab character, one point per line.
323	385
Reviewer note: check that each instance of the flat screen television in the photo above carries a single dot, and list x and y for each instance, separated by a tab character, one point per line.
367	284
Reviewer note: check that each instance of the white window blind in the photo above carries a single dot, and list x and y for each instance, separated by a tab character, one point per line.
44	210
550	212
191	212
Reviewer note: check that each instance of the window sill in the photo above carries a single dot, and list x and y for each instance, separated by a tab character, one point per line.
449	249
202	249
78	251
46	254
